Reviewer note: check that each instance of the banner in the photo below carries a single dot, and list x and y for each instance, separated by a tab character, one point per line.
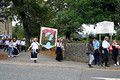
48	37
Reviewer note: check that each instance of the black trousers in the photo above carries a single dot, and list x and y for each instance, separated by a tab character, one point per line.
6	47
97	57
23	48
114	56
105	57
18	47
59	56
0	46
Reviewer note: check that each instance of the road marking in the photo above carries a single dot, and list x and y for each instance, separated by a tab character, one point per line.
106	78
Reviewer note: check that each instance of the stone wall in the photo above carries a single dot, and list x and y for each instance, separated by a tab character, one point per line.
77	52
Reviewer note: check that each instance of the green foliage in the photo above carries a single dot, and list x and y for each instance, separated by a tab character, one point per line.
65	15
118	35
18	31
32	14
79	12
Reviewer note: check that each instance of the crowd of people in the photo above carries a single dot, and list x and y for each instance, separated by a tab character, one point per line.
99	52
13	46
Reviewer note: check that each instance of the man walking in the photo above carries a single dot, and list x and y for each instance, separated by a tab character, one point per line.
105	46
6	44
96	54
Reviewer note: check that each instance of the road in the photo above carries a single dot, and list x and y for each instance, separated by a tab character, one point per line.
21	68
17	72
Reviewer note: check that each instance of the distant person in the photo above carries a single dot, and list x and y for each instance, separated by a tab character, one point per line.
3	43
97	53
0	43
18	44
32	40
6	45
71	40
59	49
115	52
10	46
23	44
91	52
34	50
105	46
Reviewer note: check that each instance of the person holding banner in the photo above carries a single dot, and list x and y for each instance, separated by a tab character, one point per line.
34	50
59	49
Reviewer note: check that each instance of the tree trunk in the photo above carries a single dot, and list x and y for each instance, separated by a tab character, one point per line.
27	36
26	27
68	34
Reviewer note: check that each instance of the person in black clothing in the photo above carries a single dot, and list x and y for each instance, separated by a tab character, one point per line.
115	52
59	49
91	52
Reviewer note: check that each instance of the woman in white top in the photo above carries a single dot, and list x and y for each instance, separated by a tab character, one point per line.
59	49
34	50
15	50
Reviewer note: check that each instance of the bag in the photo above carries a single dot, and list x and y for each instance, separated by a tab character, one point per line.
110	48
37	50
88	53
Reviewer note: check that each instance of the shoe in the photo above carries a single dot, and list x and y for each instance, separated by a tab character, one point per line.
118	63
90	66
12	56
115	64
107	66
35	61
8	55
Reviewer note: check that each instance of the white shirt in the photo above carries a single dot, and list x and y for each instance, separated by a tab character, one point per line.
18	42
59	44
14	44
6	42
10	45
105	44
35	45
23	43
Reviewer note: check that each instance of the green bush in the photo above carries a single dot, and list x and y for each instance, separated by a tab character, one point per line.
26	47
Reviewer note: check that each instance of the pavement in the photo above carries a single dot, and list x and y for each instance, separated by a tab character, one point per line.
47	68
49	61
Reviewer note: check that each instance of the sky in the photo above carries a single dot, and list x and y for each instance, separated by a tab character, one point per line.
89	29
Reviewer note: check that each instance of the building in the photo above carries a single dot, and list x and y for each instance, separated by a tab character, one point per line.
6	28
5	25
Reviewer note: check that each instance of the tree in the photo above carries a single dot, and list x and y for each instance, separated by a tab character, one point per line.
80	12
31	13
18	31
